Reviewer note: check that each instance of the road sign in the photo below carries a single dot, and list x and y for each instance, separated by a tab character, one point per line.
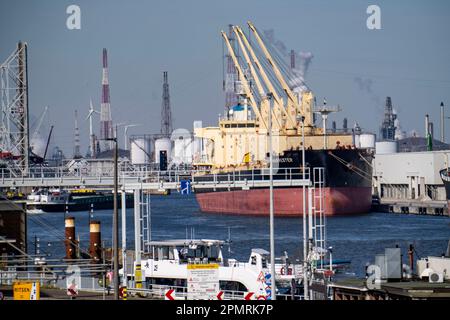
123	293
25	290
72	290
249	296
185	186
169	295
203	281
73	280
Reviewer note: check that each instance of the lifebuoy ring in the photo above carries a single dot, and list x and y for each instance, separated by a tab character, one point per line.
283	271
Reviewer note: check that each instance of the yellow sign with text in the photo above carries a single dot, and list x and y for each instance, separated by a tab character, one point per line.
203	266
26	290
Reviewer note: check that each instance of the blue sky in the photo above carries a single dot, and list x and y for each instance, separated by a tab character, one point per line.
408	59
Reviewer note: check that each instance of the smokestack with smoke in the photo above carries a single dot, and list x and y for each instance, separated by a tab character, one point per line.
299	68
399	134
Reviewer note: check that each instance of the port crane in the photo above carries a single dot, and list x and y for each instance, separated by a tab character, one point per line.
292	105
276	125
245	84
293	109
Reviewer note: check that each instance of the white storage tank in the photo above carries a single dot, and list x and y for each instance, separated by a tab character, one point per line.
357	140
140	151
367	140
182	150
386	147
161	145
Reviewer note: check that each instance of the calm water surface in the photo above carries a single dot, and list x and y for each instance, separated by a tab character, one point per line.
357	238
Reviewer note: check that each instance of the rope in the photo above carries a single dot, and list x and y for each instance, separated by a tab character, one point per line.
351	167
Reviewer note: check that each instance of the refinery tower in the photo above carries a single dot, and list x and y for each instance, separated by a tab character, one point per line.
106	128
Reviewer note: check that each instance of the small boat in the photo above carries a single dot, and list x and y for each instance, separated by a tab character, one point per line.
58	200
166	266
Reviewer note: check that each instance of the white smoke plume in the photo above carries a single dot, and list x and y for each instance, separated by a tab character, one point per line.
365	86
303	60
399	134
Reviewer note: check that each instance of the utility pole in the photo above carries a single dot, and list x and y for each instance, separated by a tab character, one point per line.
305	240
115	222
272	235
124	236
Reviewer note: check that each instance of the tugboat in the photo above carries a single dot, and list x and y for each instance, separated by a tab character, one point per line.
58	200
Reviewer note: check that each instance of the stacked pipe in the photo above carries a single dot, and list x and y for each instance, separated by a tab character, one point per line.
70	242
95	250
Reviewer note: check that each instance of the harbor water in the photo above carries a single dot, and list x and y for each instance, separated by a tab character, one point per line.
357	238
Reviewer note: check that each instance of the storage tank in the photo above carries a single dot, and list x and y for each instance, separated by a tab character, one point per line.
163	144
182	150
386	147
140	151
357	140
367	140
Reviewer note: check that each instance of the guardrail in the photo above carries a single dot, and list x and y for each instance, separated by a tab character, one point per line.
180	293
151	179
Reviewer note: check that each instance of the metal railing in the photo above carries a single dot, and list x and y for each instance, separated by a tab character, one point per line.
181	293
170	179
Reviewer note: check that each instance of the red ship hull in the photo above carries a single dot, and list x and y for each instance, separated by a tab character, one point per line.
288	202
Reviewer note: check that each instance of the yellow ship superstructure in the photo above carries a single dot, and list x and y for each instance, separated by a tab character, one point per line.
241	139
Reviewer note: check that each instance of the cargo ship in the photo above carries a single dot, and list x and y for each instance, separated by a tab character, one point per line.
239	145
57	200
347	190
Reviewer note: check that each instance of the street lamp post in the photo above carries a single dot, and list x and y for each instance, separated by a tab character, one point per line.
115	220
125	136
305	240
116	223
272	233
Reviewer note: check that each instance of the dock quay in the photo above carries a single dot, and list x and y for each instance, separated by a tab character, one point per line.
420	207
356	289
409	182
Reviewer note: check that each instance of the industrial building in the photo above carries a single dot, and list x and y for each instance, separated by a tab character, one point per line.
13	229
410	178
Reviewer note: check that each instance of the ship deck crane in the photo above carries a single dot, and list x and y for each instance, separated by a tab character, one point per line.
245	84
264	107
278	101
292	106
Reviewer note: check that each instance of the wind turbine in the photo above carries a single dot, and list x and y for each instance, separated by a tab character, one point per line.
91	133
